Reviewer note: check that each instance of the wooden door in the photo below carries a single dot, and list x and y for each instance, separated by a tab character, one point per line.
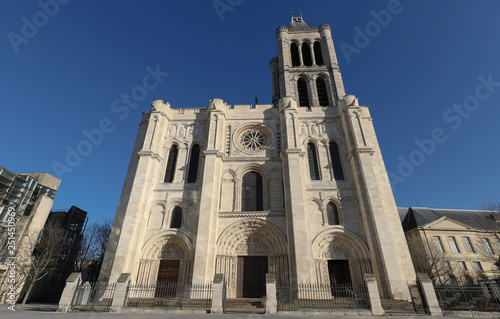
251	279
168	275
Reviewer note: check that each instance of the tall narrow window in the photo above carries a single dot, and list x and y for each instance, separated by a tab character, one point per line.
176	219
294	50
487	246
313	161
438	244
171	163
303	93
322	92
338	172
252	192
318	55
468	245
332	214
477	265
193	164
306	54
453	244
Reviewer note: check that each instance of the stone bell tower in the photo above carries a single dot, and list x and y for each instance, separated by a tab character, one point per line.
333	169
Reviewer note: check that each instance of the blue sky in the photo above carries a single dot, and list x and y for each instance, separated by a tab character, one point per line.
413	67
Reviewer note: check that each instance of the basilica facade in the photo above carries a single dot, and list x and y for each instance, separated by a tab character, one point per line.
296	188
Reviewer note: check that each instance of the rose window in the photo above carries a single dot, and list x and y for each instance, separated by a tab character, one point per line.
253	139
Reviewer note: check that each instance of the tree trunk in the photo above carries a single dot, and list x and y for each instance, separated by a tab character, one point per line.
28	292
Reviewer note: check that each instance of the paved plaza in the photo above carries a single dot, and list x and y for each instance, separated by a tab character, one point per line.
42	311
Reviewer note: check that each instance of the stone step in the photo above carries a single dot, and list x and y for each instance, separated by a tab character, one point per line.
396	304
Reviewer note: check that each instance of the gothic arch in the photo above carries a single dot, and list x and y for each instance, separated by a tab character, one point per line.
175	202
251	237
333	244
240	231
315	211
170	244
156	215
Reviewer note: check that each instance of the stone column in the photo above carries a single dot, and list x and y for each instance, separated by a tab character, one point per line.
120	295
69	291
300	255
429	295
373	295
219	295
271	301
181	169
313	57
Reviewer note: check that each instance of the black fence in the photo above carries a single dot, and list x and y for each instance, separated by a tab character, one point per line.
483	296
93	296
321	297
170	296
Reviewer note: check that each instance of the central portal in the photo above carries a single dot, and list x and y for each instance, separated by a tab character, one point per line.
339	271
252	272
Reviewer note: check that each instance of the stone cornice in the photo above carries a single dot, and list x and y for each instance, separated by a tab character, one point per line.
150	154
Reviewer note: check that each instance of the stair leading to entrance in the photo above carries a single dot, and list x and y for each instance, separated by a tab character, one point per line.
246	305
397	306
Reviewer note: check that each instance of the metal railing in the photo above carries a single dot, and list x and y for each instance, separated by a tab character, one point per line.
483	296
322	297
93	296
170	296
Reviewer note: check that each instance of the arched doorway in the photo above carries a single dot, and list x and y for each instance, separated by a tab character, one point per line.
166	260
340	258
246	251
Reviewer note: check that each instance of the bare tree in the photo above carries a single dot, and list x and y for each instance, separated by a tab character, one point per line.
93	246
427	260
46	247
491	206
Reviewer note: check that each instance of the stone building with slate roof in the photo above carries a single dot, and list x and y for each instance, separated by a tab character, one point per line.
467	241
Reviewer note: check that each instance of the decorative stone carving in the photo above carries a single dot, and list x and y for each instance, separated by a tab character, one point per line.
171	251
173	130
314	129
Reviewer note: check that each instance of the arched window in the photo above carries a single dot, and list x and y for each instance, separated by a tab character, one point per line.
322	92
318	55
294	50
306	54
171	163
252	197
303	92
176	219
332	214
338	172
193	164
313	162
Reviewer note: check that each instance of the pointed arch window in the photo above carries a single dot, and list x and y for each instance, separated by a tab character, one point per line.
318	54
294	51
194	160
176	219
322	92
338	172
313	162
252	192
303	92
171	163
332	213
306	54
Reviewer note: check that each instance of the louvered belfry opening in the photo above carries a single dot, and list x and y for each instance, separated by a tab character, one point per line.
306	54
294	50
303	92
318	54
171	163
322	92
